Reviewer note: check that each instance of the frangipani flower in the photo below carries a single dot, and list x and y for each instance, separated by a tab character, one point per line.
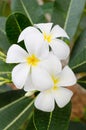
49	35
45	101
29	72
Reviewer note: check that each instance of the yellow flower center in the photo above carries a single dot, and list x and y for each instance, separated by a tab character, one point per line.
47	37
32	60
55	81
54	87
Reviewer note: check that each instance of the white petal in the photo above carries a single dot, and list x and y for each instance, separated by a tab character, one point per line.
42	51
52	64
28	31
45	102
35	44
19	74
41	79
44	27
60	49
67	77
28	84
16	54
62	96
57	31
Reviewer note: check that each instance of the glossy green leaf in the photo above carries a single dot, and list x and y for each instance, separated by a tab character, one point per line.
77	126
30	8
14	25
67	13
82	82
10	96
78	56
56	120
15	113
4	44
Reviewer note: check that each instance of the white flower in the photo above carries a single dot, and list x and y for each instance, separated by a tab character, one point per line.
49	35
30	73
45	101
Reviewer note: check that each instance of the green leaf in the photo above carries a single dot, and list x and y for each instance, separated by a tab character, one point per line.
4	88
4	44
30	125
78	57
4	7
30	8
10	96
2	23
15	23
67	13
5	68
77	126
56	120
48	7
82	82
5	73
15	113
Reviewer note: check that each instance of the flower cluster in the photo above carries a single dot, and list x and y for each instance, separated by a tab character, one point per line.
39	66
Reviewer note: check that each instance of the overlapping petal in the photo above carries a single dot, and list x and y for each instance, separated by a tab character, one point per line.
28	32
20	74
52	64
60	49
66	77
35	43
41	79
45	102
16	54
28	86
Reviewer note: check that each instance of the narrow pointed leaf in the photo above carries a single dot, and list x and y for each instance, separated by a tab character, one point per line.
67	13
4	43
10	96
15	113
82	82
30	125
57	120
78	56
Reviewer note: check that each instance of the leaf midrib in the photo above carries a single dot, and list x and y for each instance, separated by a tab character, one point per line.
67	16
25	10
12	103
15	119
81	63
50	118
76	66
17	23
